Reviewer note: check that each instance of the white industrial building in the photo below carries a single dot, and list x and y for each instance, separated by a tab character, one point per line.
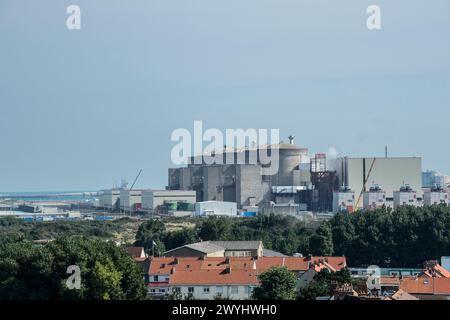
109	199
216	208
152	199
435	196
406	196
344	200
374	198
130	200
389	172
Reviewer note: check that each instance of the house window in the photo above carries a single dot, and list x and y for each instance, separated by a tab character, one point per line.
191	289
248	290
162	290
205	290
219	289
234	290
155	278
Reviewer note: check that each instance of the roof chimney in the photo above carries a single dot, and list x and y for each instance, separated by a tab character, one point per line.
291	139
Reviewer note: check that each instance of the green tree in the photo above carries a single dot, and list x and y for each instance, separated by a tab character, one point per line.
323	284
106	282
180	238
321	243
278	283
215	228
151	231
29	271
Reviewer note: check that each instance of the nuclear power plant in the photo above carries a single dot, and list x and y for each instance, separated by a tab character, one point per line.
312	183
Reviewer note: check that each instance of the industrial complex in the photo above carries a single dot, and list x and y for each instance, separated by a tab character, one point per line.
303	185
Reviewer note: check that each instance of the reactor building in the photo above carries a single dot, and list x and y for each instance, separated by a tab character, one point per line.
314	183
243	182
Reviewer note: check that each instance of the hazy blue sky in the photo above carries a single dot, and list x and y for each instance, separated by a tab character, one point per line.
81	109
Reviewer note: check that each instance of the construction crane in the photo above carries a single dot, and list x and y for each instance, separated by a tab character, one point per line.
135	179
364	184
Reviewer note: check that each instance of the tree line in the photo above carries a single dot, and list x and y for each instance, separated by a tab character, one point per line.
102	270
404	237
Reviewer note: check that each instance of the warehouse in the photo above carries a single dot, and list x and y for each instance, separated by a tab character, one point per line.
155	200
216	208
109	199
130	200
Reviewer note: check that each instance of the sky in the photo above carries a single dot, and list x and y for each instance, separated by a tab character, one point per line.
82	109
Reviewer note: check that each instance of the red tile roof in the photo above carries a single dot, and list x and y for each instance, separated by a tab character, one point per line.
244	270
135	252
426	285
214	277
441	271
392	280
163	265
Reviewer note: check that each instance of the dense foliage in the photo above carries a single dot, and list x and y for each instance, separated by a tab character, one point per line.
280	233
278	283
323	284
405	237
53	229
30	271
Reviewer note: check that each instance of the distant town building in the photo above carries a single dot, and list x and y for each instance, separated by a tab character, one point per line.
431	179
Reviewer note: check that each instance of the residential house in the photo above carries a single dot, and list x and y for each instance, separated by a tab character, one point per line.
227	277
219	249
427	288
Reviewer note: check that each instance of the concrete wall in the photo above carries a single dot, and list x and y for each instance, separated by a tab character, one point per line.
108	198
234	292
249	185
373	200
129	198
